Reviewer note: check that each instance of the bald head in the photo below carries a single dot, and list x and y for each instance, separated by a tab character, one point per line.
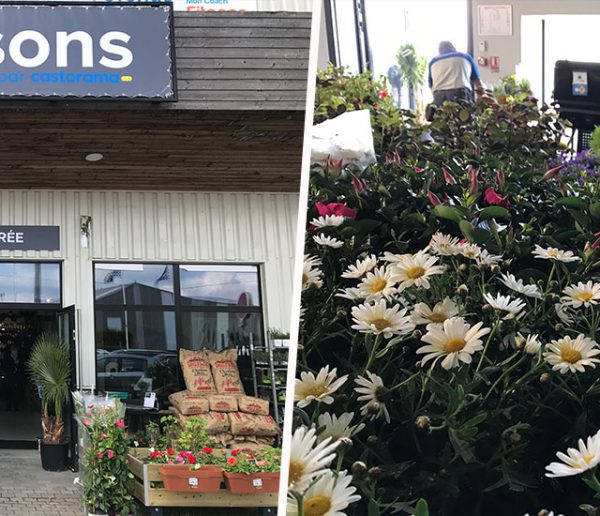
446	46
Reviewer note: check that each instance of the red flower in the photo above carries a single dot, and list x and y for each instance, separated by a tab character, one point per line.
170	451
384	95
120	423
335	208
154	454
492	197
100	455
375	106
418	170
110	454
232	461
91	406
235	452
191	459
208	450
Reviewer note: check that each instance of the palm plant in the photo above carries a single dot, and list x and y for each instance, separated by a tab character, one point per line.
50	369
412	68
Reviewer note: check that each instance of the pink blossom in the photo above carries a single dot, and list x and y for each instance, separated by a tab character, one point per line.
433	199
102	435
596	244
359	184
110	454
335	208
86	422
418	170
91	406
120	423
100	455
448	177
180	459
492	197
473	174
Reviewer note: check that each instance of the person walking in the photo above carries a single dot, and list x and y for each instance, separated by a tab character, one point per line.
453	75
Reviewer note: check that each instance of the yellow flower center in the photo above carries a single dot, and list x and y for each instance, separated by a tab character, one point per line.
454	345
415	272
570	355
588	458
585	296
437	317
380	324
378	285
296	472
304	278
314	390
553	254
317	506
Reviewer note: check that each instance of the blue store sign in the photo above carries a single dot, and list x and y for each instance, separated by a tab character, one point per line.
118	51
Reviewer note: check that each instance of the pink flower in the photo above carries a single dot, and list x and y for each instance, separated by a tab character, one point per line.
359	184
492	197
91	406
596	244
102	435
433	199
448	177
100	455
180	460
383	95
110	454
418	170
86	422
120	423
473	174
553	172
335	208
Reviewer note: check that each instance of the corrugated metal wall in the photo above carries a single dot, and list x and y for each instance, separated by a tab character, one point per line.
285	5
160	226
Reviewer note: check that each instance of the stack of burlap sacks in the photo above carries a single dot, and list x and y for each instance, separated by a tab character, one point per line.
215	393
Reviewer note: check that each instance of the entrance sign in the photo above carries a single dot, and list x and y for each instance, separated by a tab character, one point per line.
29	238
117	51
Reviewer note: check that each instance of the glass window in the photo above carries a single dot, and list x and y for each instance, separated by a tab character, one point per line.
133	284
219	285
27	282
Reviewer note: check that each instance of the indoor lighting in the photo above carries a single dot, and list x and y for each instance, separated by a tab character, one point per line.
94	156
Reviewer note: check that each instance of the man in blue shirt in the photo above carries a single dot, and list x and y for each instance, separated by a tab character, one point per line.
452	75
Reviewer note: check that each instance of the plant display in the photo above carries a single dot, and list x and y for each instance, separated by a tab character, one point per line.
268	461
412	69
106	475
50	370
448	346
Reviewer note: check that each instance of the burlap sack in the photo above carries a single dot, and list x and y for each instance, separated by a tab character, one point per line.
252	405
264	426
225	371
249	447
223	439
189	403
241	424
196	371
216	423
222	403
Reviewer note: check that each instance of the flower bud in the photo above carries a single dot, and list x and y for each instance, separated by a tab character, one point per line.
487	308
558	327
341	313
422	422
433	199
553	172
545	377
463	290
448	177
544	512
372	440
462	267
373	407
359	469
519	342
515	437
344	444
417	334
495	269
374	473
554	283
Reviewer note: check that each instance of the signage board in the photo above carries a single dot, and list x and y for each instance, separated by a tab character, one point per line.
29	238
87	51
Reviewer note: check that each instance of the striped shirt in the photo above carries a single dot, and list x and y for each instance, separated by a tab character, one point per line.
452	70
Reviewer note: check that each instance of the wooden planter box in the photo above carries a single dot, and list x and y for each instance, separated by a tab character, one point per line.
252	484
148	488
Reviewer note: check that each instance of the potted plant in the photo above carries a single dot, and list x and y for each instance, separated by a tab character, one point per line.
106	475
50	371
247	473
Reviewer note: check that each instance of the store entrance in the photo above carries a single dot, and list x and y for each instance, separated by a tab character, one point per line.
19	401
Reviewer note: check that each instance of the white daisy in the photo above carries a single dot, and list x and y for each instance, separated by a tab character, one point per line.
422	314
586	294
308	461
518	286
353	294
328	241
310	387
530	344
551	253
371	389
377	284
487	259
416	270
328	496
504	304
336	427
455	341
576	461
395	258
471	251
561	312
361	267
444	245
328	221
378	318
572	355
311	274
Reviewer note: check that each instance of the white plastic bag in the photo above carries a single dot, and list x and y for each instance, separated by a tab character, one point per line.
348	137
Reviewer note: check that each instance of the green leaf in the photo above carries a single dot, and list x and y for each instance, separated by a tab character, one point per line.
467	229
463	115
573	202
373	508
494	212
595	210
422	509
447	212
460	446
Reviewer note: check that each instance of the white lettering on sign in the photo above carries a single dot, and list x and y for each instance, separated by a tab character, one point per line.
108	43
11	237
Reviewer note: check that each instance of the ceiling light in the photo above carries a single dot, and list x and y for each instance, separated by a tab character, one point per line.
94	156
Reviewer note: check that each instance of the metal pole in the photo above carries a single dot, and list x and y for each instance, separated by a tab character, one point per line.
357	30
543	61
368	54
331	41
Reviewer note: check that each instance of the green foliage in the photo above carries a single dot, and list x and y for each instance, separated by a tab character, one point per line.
49	367
193	436
412	66
595	143
170	432
268	461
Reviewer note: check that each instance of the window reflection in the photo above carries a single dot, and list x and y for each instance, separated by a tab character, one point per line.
139	284
22	282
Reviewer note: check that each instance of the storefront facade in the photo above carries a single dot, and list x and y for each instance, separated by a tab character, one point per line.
182	233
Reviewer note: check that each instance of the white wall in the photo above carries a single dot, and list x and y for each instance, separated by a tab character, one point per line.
508	48
160	226
285	5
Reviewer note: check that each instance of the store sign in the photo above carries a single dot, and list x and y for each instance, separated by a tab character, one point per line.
209	6
115	50
29	238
